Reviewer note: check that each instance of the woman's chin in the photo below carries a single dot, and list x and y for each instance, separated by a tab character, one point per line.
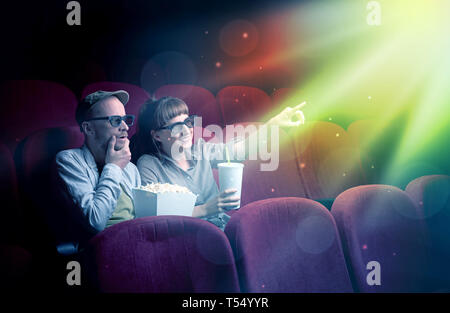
186	144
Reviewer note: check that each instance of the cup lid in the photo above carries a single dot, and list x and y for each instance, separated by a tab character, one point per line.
231	164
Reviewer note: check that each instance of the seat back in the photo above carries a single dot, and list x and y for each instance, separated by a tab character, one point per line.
384	239
15	268
9	194
328	162
243	104
31	105
36	158
287	245
284	97
273	172
162	254
376	141
200	101
431	194
281	94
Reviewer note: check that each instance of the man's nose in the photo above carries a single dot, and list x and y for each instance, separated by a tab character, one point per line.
123	126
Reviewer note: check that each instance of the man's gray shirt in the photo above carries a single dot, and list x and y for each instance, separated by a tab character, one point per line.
94	195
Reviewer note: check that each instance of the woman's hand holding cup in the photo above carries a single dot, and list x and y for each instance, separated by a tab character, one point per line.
223	202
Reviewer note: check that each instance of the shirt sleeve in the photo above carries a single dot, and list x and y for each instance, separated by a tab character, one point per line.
148	175
137	176
96	203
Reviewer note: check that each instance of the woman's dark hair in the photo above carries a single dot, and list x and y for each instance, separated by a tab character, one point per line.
153	115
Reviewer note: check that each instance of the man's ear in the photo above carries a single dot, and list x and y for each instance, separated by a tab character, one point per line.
87	128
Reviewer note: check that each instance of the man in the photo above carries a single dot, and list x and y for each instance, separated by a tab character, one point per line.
96	180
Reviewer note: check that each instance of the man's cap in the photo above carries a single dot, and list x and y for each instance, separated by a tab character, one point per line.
88	102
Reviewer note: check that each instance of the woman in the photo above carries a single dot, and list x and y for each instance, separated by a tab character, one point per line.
164	153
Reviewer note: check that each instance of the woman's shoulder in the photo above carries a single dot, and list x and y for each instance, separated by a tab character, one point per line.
147	160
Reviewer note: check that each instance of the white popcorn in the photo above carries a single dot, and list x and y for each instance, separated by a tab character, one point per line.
162	188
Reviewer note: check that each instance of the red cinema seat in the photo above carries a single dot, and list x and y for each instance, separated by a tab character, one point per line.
431	194
200	101
287	245
15	261
43	217
272	173
377	141
137	96
284	97
37	156
31	105
242	104
363	134
12	230
280	95
328	162
15	268
162	254
384	238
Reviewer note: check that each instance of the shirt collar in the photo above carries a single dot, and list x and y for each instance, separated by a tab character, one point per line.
88	157
167	158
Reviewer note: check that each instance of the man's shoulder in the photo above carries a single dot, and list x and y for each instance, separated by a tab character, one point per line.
69	154
131	172
130	167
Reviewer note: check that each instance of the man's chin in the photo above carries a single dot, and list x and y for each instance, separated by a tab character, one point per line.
118	147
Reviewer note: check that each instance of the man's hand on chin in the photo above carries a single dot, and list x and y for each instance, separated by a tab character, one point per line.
119	157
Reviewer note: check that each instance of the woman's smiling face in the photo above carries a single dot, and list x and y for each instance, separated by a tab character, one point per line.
169	137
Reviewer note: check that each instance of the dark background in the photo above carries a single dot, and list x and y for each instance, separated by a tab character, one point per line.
116	38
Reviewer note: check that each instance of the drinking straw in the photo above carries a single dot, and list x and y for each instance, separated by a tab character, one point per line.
227	154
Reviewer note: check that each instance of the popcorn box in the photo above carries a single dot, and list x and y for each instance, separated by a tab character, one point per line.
147	203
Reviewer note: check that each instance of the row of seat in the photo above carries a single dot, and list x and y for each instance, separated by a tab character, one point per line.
304	168
38	151
377	238
49	105
428	194
31	105
318	161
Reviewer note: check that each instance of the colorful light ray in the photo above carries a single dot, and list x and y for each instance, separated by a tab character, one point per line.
391	72
399	69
